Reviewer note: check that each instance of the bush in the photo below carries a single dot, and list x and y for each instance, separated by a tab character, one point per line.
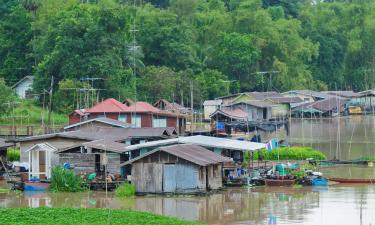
13	154
125	190
290	153
66	181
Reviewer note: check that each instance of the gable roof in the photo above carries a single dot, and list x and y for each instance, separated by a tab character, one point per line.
255	103
284	100
109	105
322	106
106	145
231	113
263	95
22	80
98	133
314	94
344	94
4	144
142	107
105	120
189	152
171	107
80	112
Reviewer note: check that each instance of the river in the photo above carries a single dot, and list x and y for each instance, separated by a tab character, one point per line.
349	137
262	205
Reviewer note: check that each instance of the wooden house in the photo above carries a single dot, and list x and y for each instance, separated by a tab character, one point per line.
42	152
181	168
138	114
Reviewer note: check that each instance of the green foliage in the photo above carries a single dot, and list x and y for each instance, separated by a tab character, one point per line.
290	153
125	190
59	216
27	112
4	190
13	154
6	96
320	45
65	181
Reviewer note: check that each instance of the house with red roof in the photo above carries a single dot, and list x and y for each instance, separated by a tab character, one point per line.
138	114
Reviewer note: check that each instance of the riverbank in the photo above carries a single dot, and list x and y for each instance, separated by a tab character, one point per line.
60	216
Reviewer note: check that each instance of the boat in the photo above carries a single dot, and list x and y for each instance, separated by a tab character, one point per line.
353	181
279	182
35	186
319	181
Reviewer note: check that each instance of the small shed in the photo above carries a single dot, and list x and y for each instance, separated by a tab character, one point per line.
24	87
180	168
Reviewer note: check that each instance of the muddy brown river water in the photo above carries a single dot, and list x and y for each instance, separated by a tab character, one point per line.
324	206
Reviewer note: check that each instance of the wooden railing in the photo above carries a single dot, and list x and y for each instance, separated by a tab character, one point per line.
27	130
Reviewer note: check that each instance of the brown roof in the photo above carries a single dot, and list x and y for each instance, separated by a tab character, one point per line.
4	144
106	145
105	120
255	103
113	134
324	105
283	100
345	94
172	107
231	113
189	152
264	95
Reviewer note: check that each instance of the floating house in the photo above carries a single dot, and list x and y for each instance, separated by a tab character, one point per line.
180	168
85	148
327	107
24	87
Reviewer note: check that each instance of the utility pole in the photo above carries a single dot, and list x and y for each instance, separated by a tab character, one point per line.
50	104
192	108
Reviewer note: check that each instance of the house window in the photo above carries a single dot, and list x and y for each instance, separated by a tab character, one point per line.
136	121
158	121
122	118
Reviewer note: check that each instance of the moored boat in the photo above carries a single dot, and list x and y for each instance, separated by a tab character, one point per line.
279	182
35	186
351	180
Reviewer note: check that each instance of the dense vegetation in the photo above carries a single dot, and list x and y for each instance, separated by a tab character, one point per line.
125	190
290	153
66	181
13	154
59	216
213	47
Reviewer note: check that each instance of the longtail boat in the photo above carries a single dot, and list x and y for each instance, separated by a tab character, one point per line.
279	182
351	180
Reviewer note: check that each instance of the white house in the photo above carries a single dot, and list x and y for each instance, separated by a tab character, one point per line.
24	87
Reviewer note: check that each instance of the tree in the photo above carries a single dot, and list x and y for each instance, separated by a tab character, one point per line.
212	84
6	96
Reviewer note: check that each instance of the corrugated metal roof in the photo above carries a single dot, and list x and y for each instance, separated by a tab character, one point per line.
206	141
105	120
109	105
322	105
4	144
114	134
255	103
263	95
231	113
345	94
283	100
189	152
106	145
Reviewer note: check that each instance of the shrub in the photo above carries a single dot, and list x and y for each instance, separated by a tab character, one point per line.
13	154
66	181
125	190
290	153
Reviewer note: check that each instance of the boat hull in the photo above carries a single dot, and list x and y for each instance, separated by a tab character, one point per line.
353	181
271	182
36	186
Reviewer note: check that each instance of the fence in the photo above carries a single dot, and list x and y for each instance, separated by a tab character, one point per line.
9	130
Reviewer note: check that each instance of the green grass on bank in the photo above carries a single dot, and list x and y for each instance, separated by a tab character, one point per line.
68	216
26	112
290	153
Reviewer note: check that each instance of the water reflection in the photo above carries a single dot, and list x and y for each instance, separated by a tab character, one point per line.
262	205
348	137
